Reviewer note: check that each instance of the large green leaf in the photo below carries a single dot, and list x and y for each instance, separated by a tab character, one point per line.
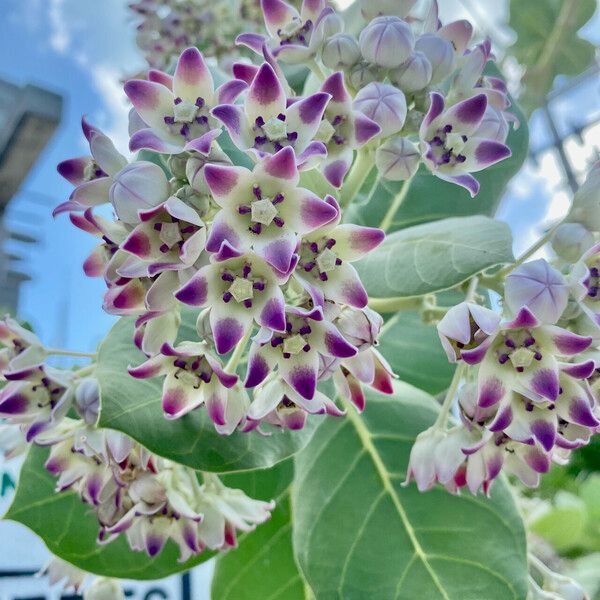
435	256
133	406
263	566
359	534
415	353
69	529
430	198
547	43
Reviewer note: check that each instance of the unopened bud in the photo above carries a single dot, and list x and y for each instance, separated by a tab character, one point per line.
362	74
330	25
440	54
414	74
493	125
341	51
104	589
539	287
384	104
571	240
397	159
139	186
375	8
387	42
87	400
177	164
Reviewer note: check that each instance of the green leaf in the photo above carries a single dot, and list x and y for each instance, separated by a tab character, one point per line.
414	351
429	198
563	524
133	406
69	528
548	45
263	566
435	256
359	534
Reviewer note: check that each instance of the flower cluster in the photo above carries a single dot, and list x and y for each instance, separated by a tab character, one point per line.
397	69
166	27
251	247
147	498
528	399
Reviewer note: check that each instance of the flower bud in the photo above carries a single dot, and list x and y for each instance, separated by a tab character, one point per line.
87	400
375	8
139	186
384	104
360	327
493	125
397	159
467	327
414	74
440	54
421	464
361	75
586	202
177	165
104	588
539	287
571	240
341	51
387	42
330	25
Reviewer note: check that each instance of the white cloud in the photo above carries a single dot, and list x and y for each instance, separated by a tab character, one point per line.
60	38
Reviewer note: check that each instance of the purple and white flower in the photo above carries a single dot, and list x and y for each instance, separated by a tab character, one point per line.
193	377
171	236
342	130
178	115
585	286
240	290
36	398
296	352
19	347
294	37
278	403
268	121
324	268
264	209
449	144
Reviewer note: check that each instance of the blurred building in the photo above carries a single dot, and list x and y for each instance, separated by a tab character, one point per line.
29	115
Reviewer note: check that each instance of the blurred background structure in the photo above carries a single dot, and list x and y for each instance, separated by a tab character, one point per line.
83	50
29	116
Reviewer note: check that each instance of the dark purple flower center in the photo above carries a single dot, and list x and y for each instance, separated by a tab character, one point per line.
192	370
446	146
518	348
318	258
240	285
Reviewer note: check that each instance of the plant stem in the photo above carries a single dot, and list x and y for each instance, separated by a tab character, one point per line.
59	352
530	251
442	418
85	371
234	360
360	170
395	205
316	69
388	305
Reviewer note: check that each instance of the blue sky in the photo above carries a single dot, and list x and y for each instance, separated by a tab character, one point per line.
81	48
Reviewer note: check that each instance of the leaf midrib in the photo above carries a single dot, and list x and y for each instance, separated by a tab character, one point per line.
366	439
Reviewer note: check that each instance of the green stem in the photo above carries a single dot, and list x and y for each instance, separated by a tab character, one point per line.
360	170
388	305
399	198
59	352
237	353
530	251
316	69
85	371
442	418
